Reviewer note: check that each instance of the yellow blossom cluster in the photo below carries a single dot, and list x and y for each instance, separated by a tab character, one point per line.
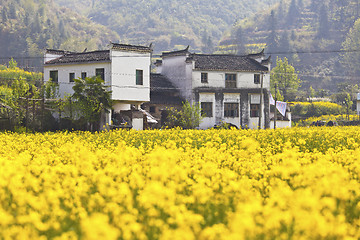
299	183
327	118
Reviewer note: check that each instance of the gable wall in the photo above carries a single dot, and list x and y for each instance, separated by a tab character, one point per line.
65	87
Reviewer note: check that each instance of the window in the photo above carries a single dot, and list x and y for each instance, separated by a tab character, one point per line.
206	109
204	78
71	77
257	78
83	75
230	80
231	110
139	77
100	72
54	76
254	110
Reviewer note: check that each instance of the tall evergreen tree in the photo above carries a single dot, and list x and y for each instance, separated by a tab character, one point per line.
240	41
284	42
314	6
4	15
12	11
272	39
323	30
280	11
351	58
293	14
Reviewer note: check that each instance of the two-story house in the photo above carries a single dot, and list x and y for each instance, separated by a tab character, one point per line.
124	68
227	87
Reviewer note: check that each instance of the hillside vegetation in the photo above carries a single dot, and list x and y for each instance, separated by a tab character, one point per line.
168	24
27	27
310	33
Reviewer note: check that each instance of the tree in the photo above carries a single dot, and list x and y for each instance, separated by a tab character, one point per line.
285	78
272	39
351	57
93	97
240	41
189	117
280	11
12	64
323	31
348	103
293	13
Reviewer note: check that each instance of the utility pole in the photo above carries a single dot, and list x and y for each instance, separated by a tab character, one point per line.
261	100
275	111
27	112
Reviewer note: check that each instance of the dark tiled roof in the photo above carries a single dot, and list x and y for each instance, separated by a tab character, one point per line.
226	62
157	98
257	55
95	56
162	91
58	52
131	48
176	53
159	83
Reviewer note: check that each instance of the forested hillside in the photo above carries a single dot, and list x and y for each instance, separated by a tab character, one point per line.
27	27
169	24
318	37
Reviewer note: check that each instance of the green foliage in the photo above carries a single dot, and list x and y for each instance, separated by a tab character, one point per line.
312	26
351	58
93	97
15	83
286	80
189	117
50	90
182	22
27	27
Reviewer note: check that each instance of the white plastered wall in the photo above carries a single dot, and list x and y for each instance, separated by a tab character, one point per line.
138	124
180	74
65	86
124	66
216	79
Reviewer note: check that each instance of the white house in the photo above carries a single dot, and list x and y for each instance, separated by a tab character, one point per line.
125	68
227	87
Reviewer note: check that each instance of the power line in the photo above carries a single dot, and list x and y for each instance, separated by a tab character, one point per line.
244	54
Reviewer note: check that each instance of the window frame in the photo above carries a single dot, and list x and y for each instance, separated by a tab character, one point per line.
100	72
230	80
139	77
254	110
204	77
55	79
231	110
83	75
71	77
257	78
206	109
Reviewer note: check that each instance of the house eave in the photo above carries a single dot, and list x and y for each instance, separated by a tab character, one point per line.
75	63
231	70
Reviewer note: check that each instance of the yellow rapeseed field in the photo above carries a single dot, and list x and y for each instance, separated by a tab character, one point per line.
299	183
